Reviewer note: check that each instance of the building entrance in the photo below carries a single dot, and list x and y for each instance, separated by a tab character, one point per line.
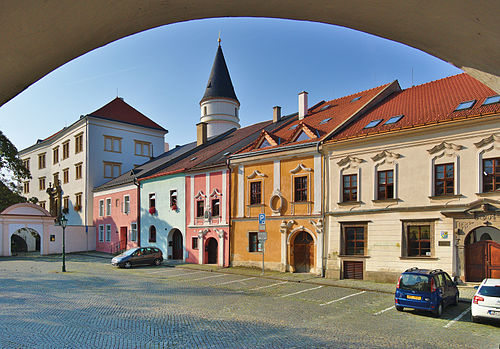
303	252
176	244
211	249
482	254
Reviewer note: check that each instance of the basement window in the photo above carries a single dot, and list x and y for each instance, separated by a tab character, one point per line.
491	100
465	105
373	123
393	119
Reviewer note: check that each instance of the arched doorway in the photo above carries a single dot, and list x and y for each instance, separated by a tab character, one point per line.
211	249
25	240
176	244
482	254
303	252
17	244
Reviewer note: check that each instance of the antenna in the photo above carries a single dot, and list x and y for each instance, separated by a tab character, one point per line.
117	92
412	77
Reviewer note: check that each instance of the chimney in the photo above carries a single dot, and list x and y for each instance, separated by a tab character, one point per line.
302	104
276	114
201	133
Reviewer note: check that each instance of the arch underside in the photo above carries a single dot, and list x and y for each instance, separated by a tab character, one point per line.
39	36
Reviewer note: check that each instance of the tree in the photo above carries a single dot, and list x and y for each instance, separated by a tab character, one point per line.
12	171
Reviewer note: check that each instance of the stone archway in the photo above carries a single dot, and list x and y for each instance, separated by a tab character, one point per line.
25	240
211	248
175	244
302	252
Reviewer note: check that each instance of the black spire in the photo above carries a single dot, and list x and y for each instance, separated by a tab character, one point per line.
219	82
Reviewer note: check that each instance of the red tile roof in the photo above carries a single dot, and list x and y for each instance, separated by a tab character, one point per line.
119	110
426	104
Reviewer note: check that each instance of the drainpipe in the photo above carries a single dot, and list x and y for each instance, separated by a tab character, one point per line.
138	211
87	181
229	213
323	209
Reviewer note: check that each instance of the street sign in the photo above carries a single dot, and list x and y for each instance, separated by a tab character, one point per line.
262	222
262	235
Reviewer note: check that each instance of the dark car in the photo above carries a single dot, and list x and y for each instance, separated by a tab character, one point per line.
138	255
424	289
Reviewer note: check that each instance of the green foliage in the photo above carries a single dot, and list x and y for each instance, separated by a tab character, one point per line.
8	197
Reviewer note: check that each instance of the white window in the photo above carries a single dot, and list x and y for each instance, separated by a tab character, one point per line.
108	232
112	169
101	208
133	231
101	233
126	204
113	144
108	206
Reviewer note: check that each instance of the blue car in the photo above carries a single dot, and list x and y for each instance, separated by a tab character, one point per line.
423	289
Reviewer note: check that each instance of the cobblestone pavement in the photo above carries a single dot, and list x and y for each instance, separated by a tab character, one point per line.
94	305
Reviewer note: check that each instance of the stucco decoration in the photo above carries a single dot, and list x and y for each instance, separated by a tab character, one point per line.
286	225
386	156
276	202
202	233
495	139
200	195
448	148
350	161
318	225
220	233
215	194
256	173
300	167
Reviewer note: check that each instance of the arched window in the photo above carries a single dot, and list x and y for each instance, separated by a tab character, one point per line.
152	234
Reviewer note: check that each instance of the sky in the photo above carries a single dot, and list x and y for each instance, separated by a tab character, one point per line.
163	73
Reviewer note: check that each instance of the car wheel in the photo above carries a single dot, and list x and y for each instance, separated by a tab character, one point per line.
439	310
474	318
455	301
127	265
157	261
399	308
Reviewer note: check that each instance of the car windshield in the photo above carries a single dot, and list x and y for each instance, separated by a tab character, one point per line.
128	252
415	282
489	291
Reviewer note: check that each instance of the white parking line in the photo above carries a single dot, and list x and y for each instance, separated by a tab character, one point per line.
340	299
157	271
383	311
173	276
230	282
309	289
207	277
457	318
261	287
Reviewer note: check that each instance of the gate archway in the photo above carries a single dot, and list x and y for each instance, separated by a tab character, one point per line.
211	249
482	254
25	240
302	249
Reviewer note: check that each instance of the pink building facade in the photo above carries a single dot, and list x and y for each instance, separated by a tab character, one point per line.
207	217
116	219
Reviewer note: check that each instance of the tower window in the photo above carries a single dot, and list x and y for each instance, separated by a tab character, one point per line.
236	112
204	110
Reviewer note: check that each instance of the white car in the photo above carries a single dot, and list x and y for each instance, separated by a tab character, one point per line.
486	301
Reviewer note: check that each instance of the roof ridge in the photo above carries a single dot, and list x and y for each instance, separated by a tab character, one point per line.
435	81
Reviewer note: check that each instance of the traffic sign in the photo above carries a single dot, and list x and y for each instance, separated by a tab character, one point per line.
262	218
262	235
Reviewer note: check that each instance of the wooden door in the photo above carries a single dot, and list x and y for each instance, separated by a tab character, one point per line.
353	270
123	238
177	245
303	252
212	251
482	260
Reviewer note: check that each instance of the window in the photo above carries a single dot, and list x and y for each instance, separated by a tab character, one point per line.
215	208
26	187
465	105
373	123
108	206
419	240
56	178
236	112
41	161
42	204
255	193
393	120
113	144
133	231
194	243
302	137
200	208
78	171
26	164
444	179
385	185
101	233
325	108
112	169
300	188
78	143
293	127
126	204
78	201
66	175
204	110
491	100
152	234
356	99
173	199
354	240
491	175
253	242
65	150
101	208
55	155
41	183
66	202
265	144
324	121
152	200
108	232
350	187
142	148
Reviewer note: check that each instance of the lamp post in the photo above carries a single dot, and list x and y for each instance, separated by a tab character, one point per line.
63	221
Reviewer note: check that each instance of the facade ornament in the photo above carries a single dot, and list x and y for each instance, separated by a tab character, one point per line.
276	202
55	199
351	161
220	233
200	195
215	194
386	155
318	225
448	148
300	167
491	139
286	226
202	233
256	173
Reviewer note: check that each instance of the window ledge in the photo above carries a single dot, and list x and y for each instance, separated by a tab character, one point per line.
420	258
349	203
385	200
489	193
255	205
445	197
353	256
301	202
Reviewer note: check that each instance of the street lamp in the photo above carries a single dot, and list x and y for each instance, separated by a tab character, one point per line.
63	221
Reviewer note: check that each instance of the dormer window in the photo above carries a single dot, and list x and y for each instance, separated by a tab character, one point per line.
302	137
293	127
265	144
466	105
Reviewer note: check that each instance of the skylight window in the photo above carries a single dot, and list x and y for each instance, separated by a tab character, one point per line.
192	159
324	121
393	120
293	127
356	99
373	123
326	107
226	153
491	100
465	105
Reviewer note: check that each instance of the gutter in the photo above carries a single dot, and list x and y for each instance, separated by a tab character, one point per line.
139	229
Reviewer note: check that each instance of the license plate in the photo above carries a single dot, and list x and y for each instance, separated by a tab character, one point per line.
413	297
492	312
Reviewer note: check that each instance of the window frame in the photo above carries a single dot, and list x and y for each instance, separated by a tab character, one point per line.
152	200
385	185
215	202
296	190
79	143
250	192
41	183
254	246
445	179
101	232
493	175
194	243
78	199
65	149
126	202
108	207
66	175
101	208
26	187
143	145
406	224
152	233
55	155
41	161
350	188
78	170
200	204
344	246
112	140
133	231
112	166
108	232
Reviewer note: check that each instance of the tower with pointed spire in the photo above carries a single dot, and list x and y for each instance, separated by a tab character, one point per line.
219	105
